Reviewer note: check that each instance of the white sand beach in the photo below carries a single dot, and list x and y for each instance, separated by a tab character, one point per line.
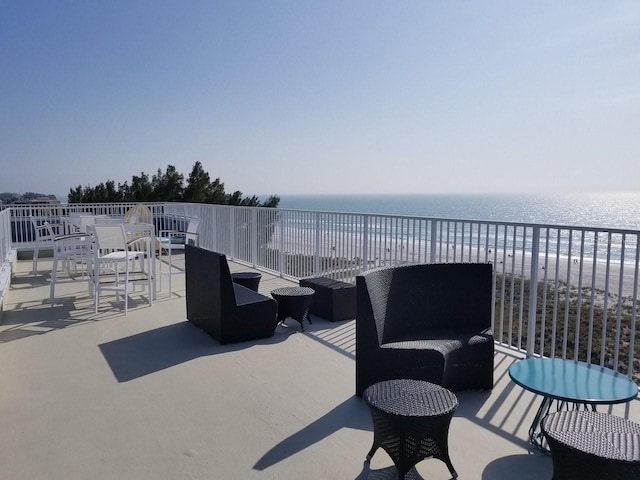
619	279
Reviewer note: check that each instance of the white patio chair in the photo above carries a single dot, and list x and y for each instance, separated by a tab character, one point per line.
46	233
43	239
167	242
138	214
116	267
68	251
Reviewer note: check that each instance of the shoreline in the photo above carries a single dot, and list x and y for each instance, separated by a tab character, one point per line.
552	268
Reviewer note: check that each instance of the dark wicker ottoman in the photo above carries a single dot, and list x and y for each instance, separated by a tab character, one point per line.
589	445
411	421
334	300
293	302
247	279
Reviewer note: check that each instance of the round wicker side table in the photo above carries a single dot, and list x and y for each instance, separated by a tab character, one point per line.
592	445
411	421
293	302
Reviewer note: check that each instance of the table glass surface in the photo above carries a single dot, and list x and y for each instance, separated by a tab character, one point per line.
573	381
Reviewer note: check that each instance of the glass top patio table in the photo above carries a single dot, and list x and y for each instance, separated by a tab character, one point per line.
569	381
573	381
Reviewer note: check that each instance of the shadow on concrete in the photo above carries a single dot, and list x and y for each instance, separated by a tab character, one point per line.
352	413
387	473
165	347
522	467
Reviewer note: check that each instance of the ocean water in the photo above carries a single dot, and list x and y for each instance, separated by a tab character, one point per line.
610	210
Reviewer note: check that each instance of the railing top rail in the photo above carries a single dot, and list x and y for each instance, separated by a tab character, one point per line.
536	225
476	222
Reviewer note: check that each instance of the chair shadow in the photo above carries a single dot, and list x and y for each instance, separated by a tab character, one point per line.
21	281
38	318
165	347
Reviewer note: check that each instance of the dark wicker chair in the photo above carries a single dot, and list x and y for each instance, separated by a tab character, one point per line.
425	322
225	310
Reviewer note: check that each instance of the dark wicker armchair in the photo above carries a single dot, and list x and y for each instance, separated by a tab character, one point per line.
225	310
425	322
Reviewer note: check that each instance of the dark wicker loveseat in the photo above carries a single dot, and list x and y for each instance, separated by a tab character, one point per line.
425	322
225	310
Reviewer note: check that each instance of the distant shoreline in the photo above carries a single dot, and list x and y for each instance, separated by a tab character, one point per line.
598	210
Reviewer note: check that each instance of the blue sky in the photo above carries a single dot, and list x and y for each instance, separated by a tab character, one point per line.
322	97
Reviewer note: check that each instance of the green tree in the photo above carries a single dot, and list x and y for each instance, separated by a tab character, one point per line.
168	186
200	189
236	199
75	195
272	202
198	185
141	189
216	193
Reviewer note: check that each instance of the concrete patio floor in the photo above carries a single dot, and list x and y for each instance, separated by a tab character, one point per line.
149	396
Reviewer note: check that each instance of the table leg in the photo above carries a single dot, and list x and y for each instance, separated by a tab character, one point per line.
536	436
535	431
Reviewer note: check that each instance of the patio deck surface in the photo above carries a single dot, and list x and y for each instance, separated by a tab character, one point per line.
149	396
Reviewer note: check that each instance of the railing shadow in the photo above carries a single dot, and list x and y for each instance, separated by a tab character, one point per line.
353	413
485	409
339	336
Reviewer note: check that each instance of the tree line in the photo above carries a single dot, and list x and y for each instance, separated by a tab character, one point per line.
7	197
168	186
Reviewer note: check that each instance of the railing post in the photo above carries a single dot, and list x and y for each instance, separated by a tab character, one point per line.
232	231
254	238
316	259
533	291
434	238
365	244
214	228
283	254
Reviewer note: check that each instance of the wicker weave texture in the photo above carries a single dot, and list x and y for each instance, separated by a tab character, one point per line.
411	421
334	299
227	311
294	302
425	322
592	445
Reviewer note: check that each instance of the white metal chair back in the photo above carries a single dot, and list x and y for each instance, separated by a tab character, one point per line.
109	221
166	245
86	220
191	235
109	238
114	263
69	250
43	238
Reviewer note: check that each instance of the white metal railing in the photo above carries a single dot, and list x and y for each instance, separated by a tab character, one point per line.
21	215
7	255
564	291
